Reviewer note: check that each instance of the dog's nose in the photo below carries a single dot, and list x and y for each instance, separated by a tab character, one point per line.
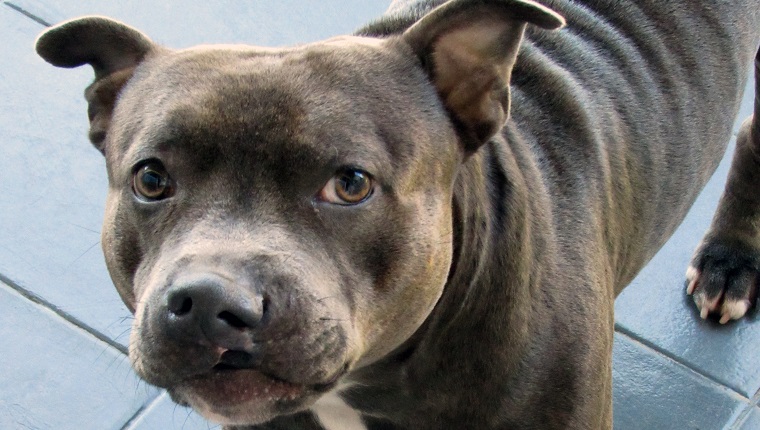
212	309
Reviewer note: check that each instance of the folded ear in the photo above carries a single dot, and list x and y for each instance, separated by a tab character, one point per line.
112	49
469	48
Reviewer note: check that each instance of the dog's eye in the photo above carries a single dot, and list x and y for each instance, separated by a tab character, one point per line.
151	182
348	187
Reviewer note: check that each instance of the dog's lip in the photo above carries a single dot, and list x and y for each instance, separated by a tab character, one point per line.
232	387
240	386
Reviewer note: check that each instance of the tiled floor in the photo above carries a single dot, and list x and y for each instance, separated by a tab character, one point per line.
63	329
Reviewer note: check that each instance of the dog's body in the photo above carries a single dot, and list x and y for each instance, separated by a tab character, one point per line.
473	285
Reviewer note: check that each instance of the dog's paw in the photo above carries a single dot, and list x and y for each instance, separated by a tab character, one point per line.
723	279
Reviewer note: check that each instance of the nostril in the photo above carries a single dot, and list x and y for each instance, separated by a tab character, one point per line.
211	309
265	305
180	305
232	320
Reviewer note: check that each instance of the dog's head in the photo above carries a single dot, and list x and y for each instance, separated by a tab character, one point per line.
279	217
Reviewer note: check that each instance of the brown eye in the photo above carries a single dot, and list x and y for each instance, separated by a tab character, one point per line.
348	187
151	182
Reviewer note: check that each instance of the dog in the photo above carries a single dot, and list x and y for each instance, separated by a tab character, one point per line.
423	225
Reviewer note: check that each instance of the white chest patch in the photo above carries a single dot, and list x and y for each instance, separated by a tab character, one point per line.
334	414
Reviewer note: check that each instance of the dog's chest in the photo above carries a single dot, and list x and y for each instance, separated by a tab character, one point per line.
333	413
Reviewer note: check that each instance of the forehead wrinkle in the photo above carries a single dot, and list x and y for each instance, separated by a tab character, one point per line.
342	132
234	108
342	96
271	96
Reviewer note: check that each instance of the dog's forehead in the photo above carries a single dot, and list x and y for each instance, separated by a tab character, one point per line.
283	99
211	72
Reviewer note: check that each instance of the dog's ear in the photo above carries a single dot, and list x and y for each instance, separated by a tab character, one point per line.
112	49
469	48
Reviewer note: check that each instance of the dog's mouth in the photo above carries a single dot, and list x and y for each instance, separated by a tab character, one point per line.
230	386
232	393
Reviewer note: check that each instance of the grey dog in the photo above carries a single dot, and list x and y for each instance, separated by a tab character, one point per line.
423	225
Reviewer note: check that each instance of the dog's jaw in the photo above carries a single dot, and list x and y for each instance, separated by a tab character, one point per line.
243	397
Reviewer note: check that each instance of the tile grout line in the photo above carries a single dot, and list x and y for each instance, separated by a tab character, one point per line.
27	14
750	403
63	314
141	411
739	421
675	359
742	418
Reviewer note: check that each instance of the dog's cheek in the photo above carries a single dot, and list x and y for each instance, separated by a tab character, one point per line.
121	249
406	292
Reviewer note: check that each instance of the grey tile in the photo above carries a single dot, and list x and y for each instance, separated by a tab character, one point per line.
164	414
52	184
655	307
63	377
181	23
752	421
651	391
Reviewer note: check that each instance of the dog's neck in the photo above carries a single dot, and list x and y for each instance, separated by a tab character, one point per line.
499	253
497	265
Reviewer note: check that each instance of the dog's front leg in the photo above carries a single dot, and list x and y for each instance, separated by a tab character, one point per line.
724	273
